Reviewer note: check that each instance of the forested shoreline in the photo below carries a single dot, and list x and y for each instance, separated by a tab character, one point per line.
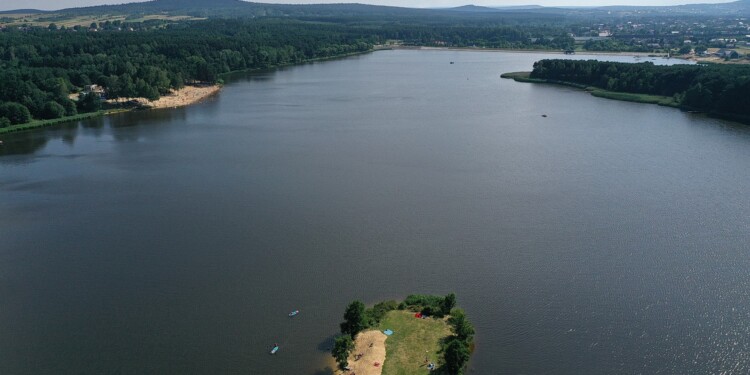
45	70
41	68
715	88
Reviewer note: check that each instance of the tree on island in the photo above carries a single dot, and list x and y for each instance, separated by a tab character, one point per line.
354	319
461	326
448	303
456	351
456	355
341	349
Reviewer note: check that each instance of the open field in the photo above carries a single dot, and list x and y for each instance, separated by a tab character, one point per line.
45	19
413	341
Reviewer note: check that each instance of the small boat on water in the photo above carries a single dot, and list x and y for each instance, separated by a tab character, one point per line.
293	313
275	348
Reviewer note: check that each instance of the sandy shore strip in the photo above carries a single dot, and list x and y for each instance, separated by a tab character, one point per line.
177	98
369	349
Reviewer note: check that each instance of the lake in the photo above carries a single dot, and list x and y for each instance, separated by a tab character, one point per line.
606	238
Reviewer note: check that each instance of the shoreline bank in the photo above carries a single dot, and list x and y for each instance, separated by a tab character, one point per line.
194	94
665	101
186	96
597	92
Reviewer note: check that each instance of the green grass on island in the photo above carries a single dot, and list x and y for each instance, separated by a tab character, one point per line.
430	335
413	340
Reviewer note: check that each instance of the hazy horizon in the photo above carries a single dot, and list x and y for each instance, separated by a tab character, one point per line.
62	4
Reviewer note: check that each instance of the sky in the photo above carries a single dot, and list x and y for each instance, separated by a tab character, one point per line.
61	4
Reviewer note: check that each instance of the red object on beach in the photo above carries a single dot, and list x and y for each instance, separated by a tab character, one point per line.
418	315
376	364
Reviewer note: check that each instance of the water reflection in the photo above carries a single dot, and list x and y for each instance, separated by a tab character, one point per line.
152	121
155	117
22	143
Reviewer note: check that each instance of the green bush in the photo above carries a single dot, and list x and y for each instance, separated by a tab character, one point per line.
89	103
456	354
15	112
52	110
4	122
354	319
341	349
430	305
377	312
422	300
462	328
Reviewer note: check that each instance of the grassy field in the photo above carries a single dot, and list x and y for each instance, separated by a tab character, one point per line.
44	19
638	98
521	77
413	340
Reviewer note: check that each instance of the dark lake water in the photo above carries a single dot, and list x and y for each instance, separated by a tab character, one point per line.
606	238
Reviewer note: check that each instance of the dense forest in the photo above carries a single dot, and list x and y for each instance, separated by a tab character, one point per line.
41	67
714	88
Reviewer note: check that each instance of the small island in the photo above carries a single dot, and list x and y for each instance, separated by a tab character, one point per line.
421	335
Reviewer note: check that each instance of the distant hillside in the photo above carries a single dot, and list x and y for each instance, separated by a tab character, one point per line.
473	8
740	7
23	11
239	8
517	7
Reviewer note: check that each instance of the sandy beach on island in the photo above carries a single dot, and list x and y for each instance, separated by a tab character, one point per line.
371	346
177	98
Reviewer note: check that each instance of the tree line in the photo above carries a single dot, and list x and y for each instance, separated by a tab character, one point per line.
714	88
40	68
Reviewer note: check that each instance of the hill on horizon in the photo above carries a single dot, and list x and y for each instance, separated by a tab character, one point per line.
241	8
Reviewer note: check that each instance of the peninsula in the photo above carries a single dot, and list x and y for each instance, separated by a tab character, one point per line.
716	89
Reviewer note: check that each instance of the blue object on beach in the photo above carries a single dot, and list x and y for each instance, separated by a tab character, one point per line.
388	332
